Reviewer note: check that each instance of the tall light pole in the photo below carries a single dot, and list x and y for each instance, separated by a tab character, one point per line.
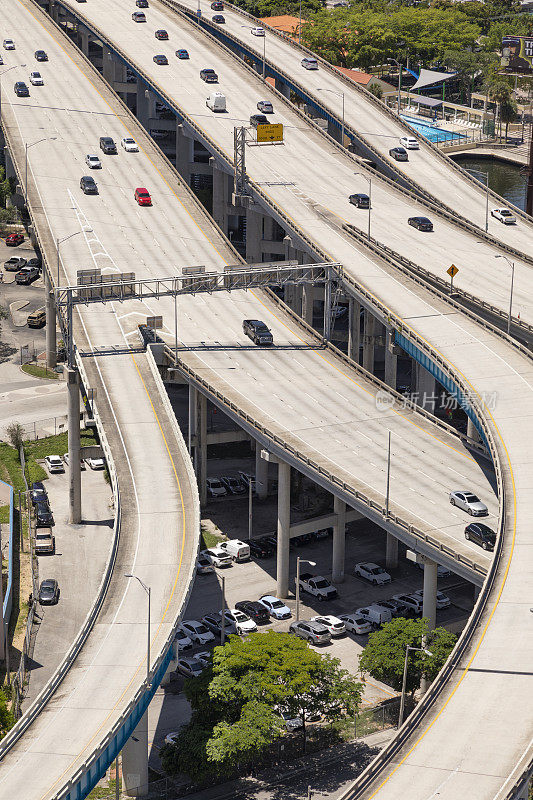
298	562
404	681
511	264
27	147
369	198
339	94
60	241
1	74
250	506
400	71
486	176
148	592
222	617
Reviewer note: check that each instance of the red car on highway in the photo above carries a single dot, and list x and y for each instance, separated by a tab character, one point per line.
143	197
14	239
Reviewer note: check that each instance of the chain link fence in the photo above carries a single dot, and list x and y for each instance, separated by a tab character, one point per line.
378	718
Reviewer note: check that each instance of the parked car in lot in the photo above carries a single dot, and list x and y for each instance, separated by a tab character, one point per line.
14	239
334	625
54	464
469	502
44	542
260	549
503	215
421	223
204	657
217	557
399	153
376	614
182	54
215	488
190	667
275	607
396	608
27	275
372	572
237	550
36	79
66	460
412	601
312	632
93	162
21	89
129	145
197	631
182	640
49	592
442	572
233	485
481	534
241	621
43	516
409	142
265	106
246	478
443	601
203	565
255	610
38	488
257	331
357	624
214	623
38	496
317	586
360	200
292	723
142	196
209	75
14	264
95	463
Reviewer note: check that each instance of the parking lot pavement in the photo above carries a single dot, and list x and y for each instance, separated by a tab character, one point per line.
78	564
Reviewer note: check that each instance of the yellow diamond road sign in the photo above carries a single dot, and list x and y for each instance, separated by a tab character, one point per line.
452	271
270	133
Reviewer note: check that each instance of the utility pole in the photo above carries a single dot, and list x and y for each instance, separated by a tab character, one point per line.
529	185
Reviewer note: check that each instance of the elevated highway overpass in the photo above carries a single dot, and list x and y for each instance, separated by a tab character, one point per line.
476	359
104	686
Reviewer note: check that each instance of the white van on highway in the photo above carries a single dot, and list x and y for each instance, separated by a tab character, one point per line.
216	101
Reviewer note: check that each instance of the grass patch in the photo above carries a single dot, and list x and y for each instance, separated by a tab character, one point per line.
10	469
4	515
56	445
40	372
209	539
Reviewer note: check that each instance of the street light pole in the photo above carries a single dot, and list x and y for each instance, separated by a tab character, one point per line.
148	591
60	241
404	680
223	618
298	562
250	507
511	264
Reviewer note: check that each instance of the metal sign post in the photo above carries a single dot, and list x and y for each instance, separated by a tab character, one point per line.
452	272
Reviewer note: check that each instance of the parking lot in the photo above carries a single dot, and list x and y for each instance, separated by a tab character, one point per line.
81	552
21	299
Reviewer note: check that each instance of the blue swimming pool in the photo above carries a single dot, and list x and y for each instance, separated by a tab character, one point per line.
430	132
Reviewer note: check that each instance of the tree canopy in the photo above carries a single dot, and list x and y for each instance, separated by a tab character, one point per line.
384	655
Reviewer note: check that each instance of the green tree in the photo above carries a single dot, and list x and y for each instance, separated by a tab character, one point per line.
7	720
500	92
507	113
376	89
384	655
234	701
15	434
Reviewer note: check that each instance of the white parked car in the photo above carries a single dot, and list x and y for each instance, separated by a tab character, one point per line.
217	557
258	31
335	626
36	79
503	215
197	631
275	607
356	624
372	572
93	162
469	502
129	145
443	601
412	601
292	723
54	464
95	463
242	621
182	640
190	667
204	657
214	623
409	142
215	487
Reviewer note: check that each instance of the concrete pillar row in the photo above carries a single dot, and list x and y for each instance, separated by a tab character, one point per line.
308	302
284	524
472	431
369	340
220	197
334	131
339	540
145	103
391	553
429	608
135	761
254	235
354	329
184	153
74	465
261	474
51	346
426	386
200	455
84	41
391	368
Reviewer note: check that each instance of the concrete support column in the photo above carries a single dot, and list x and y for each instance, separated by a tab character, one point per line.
145	104
284	524
282	87
135	761
369	341
173	665
261	474
472	431
108	66
354	329
425	389
254	234
391	553
184	153
220	197
51	346
334	131
84	42
391	367
429	608
308	301
200	455
339	540
74	465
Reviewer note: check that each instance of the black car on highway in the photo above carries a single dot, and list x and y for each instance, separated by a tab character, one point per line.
209	75
259	119
40	55
108	146
88	185
480	534
161	60
49	592
257	331
255	611
399	153
421	223
360	200
21	90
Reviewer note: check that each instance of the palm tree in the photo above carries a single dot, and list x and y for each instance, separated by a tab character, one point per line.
500	93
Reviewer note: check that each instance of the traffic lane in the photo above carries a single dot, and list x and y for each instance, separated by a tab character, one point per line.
78	563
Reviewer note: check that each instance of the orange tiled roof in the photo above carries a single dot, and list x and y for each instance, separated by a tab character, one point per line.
284	23
362	78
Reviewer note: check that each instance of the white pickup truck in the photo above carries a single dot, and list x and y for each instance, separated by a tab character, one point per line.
318	586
